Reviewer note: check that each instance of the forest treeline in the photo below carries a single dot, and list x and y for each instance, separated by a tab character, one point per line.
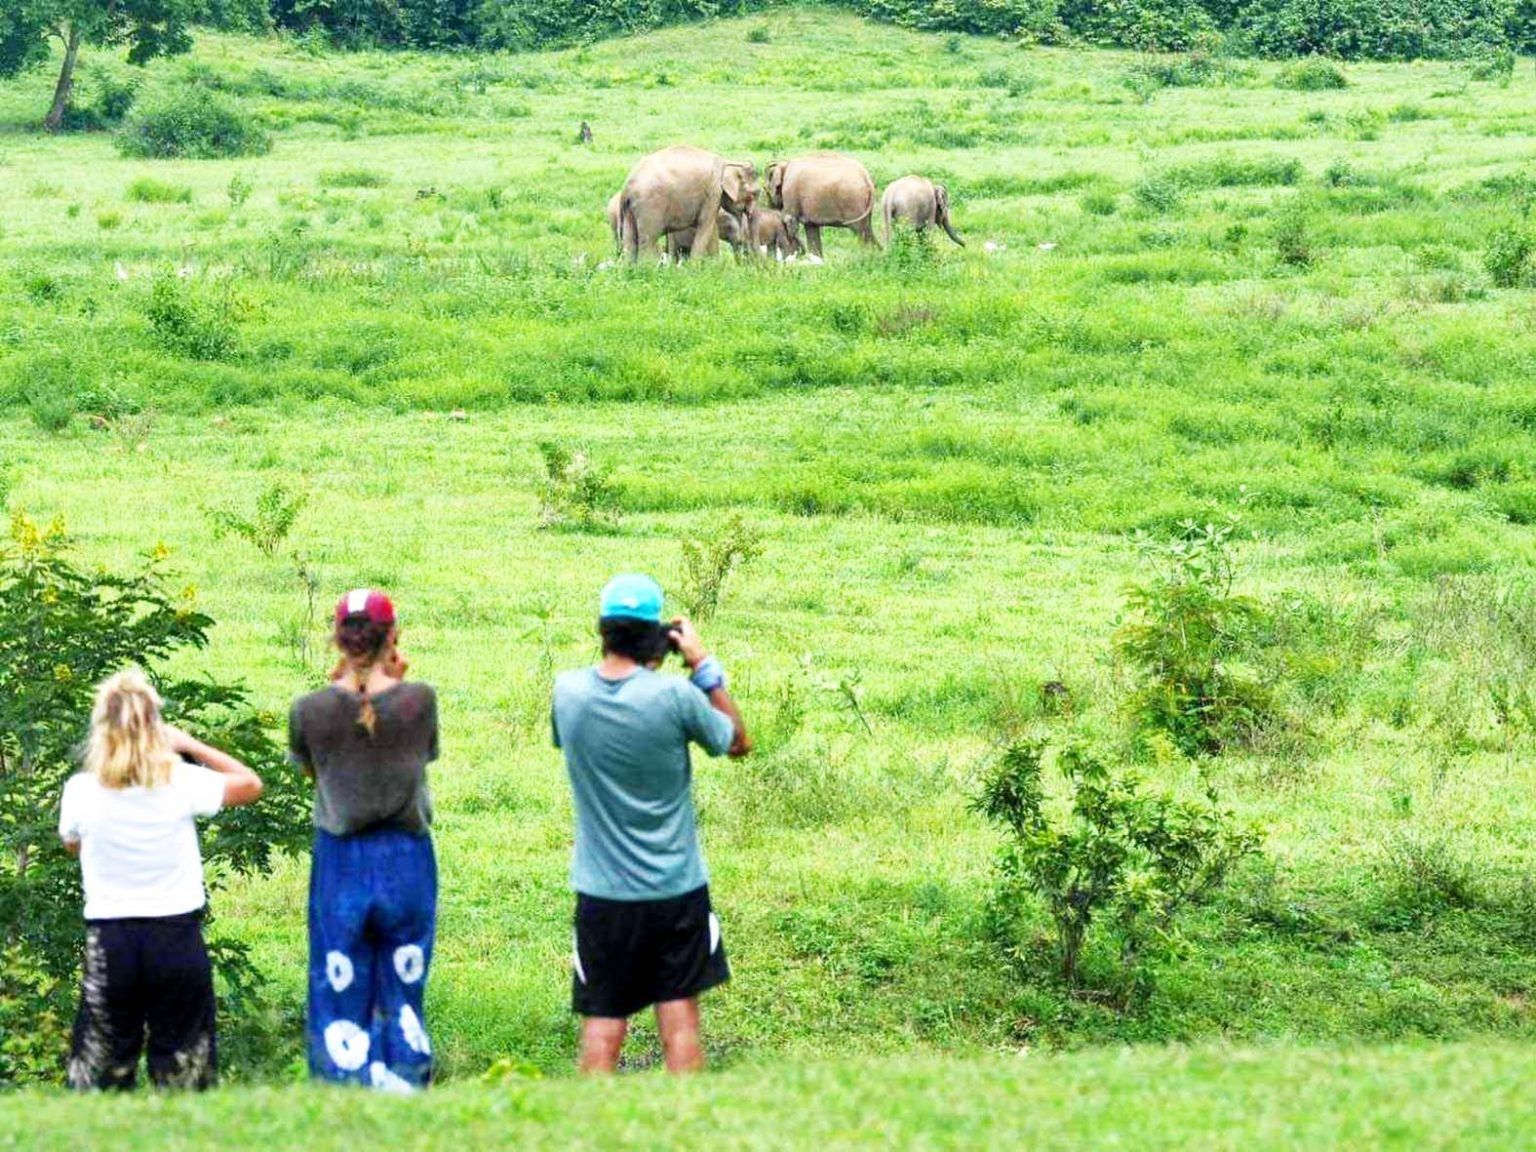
1347	29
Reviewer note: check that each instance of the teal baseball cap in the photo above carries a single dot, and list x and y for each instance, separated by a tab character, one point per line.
632	596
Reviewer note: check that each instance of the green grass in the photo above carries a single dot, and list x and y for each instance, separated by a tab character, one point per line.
948	452
1454	1096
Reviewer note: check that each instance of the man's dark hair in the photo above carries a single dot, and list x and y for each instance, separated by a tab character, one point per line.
639	640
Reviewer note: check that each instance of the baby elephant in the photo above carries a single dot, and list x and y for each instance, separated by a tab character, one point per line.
772	233
732	232
920	202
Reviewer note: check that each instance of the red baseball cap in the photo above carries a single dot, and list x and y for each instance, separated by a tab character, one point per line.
366	602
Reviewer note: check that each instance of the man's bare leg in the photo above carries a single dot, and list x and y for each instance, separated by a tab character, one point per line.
678	1023
602	1039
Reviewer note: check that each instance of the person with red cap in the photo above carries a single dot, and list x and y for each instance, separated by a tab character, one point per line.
366	741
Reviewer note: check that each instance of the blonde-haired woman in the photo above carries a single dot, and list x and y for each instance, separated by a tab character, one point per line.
129	816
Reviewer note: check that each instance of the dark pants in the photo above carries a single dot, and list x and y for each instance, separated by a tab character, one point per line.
145	977
372	919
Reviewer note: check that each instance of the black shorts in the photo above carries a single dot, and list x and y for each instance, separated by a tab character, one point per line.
631	954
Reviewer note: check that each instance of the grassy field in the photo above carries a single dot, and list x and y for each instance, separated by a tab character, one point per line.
1185	301
1452	1096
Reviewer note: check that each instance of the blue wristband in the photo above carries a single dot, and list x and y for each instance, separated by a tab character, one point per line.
708	676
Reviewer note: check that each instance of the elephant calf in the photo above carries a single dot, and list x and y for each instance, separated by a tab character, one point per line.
775	234
920	202
680	244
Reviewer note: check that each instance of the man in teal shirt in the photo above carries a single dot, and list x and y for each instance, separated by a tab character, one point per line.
645	932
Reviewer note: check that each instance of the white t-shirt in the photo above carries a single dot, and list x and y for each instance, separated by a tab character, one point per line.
138	846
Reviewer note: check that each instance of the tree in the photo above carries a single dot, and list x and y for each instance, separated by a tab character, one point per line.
149	28
62	629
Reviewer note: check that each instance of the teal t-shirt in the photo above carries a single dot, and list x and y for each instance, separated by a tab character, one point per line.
626	749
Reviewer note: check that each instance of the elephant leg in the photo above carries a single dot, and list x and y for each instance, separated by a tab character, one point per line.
813	239
866	233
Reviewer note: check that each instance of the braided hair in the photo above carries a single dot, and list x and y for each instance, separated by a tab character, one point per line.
364	643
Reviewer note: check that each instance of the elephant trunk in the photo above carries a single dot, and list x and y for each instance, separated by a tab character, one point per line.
953	235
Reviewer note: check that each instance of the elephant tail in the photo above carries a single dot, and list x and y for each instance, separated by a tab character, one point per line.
629	230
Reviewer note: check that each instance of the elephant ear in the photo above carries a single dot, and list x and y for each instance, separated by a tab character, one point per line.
941	199
736	184
776	183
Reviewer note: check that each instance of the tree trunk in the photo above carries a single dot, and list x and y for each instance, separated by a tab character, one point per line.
66	85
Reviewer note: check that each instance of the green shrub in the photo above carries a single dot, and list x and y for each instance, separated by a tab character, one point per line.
1159	192
148	190
189	321
1314	74
1292	235
239	190
1099	203
63	627
1372	29
1185	642
1149	25
276	511
574	492
352	178
1507	258
194	123
1121	856
708	561
758	34
1037	19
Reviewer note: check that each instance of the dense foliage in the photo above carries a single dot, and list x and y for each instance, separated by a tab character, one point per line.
62	629
1388	29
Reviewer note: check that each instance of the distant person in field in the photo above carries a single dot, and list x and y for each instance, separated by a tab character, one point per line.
366	740
130	817
645	932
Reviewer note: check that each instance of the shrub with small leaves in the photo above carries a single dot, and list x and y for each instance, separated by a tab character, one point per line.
1508	258
190	321
194	123
1123	856
1314	74
239	190
63	627
1185	640
574	492
277	509
710	559
1292	235
1159	192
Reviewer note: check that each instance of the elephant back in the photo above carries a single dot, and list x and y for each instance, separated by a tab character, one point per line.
828	188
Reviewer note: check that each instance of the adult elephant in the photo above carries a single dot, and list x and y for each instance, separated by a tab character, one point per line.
682	188
824	190
921	203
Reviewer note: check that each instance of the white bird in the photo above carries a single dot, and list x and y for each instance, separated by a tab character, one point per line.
119	271
1048	246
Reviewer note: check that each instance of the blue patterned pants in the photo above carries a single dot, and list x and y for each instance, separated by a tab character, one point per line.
372	918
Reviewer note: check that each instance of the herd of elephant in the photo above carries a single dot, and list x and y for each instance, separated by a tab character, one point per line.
690	199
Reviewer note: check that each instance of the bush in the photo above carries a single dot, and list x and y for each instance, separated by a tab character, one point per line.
1314	74
1372	29
709	560
574	492
1122	855
1508	258
1185	641
1037	19
1099	203
1159	192
1150	25
63	627
195	123
1293	237
148	190
189	322
352	178
277	508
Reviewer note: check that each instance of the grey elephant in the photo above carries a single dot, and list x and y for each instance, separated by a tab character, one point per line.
682	188
773	233
919	202
731	230
824	190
